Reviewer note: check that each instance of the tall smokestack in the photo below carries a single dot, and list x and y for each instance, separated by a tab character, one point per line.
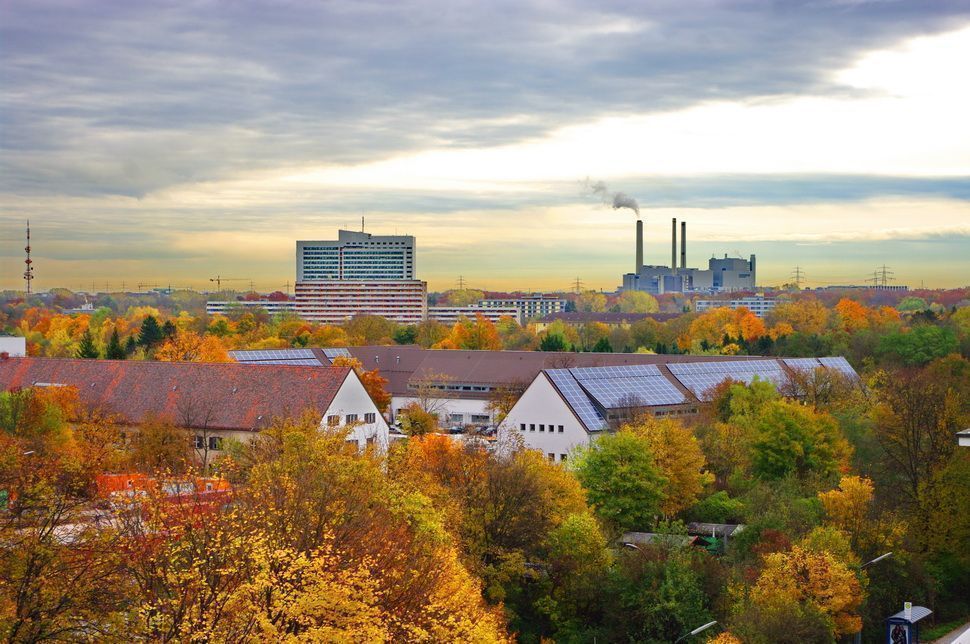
639	247
673	245
683	244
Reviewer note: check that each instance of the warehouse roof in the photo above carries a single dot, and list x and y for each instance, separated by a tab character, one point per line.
191	394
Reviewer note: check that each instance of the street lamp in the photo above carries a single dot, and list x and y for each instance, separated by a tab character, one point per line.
858	636
697	630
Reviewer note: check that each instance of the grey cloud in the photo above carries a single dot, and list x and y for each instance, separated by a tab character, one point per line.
127	98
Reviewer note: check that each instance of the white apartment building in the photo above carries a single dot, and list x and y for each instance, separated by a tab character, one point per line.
449	315
532	306
356	256
336	301
270	306
759	304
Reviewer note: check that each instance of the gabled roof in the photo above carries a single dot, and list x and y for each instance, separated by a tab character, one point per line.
191	394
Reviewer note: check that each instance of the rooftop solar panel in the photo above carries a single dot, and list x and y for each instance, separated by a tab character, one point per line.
577	399
802	364
645	391
619	371
272	354
702	377
840	364
333	353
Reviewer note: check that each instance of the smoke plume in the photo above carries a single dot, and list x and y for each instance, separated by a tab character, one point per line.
616	199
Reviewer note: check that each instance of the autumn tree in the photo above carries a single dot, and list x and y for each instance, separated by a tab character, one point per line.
417	421
161	447
188	346
373	382
678	457
793	440
637	302
622	480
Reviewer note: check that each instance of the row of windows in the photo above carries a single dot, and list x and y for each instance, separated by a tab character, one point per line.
542	428
334	420
214	443
552	457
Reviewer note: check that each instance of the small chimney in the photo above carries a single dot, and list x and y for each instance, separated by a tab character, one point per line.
683	245
639	265
673	245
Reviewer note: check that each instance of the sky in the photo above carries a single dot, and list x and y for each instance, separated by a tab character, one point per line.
169	142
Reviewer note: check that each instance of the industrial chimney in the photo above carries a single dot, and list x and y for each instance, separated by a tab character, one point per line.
673	245
683	245
639	266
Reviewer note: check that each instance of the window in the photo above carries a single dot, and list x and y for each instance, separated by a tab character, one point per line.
350	418
542	428
333	421
562	458
552	457
456	419
480	418
215	442
522	426
532	427
370	418
560	429
199	442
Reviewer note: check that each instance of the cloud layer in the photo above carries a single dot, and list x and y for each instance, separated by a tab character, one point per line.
174	138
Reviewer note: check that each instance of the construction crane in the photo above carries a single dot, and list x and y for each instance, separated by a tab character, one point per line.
218	279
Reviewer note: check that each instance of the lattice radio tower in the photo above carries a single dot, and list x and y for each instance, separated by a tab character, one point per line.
29	272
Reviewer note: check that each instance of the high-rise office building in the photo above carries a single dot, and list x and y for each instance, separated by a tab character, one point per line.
356	256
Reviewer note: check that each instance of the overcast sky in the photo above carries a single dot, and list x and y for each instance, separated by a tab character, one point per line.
167	142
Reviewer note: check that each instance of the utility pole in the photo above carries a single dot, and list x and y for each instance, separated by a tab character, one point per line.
799	275
29	273
461	283
886	276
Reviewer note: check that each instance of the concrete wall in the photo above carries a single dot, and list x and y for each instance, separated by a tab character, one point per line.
13	346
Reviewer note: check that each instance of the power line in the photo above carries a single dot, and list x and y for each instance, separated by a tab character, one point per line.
799	275
578	285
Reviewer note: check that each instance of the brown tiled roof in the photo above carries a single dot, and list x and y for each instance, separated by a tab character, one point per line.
403	364
216	395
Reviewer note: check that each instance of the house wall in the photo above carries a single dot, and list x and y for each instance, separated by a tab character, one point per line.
539	409
13	346
352	398
447	407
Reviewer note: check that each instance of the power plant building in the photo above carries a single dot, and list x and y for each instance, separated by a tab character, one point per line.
722	275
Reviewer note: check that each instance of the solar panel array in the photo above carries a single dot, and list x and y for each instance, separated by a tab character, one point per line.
840	364
333	353
628	386
802	364
702	377
566	383
273	354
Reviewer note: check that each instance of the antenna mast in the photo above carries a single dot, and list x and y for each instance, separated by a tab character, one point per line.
29	273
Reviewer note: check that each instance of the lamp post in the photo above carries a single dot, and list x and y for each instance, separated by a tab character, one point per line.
697	630
858	636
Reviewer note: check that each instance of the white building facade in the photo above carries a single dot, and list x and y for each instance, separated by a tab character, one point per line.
356	256
530	306
759	305
270	306
449	315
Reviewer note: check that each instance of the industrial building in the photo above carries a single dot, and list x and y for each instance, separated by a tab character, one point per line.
359	274
565	408
722	275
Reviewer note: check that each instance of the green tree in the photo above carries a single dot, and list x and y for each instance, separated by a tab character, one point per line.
130	345
115	351
86	348
553	342
169	330
637	302
922	344
603	346
150	333
793	440
406	334
621	479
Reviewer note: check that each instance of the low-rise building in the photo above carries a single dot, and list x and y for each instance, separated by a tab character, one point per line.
214	307
12	346
214	401
609	318
534	305
566	408
757	304
449	315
